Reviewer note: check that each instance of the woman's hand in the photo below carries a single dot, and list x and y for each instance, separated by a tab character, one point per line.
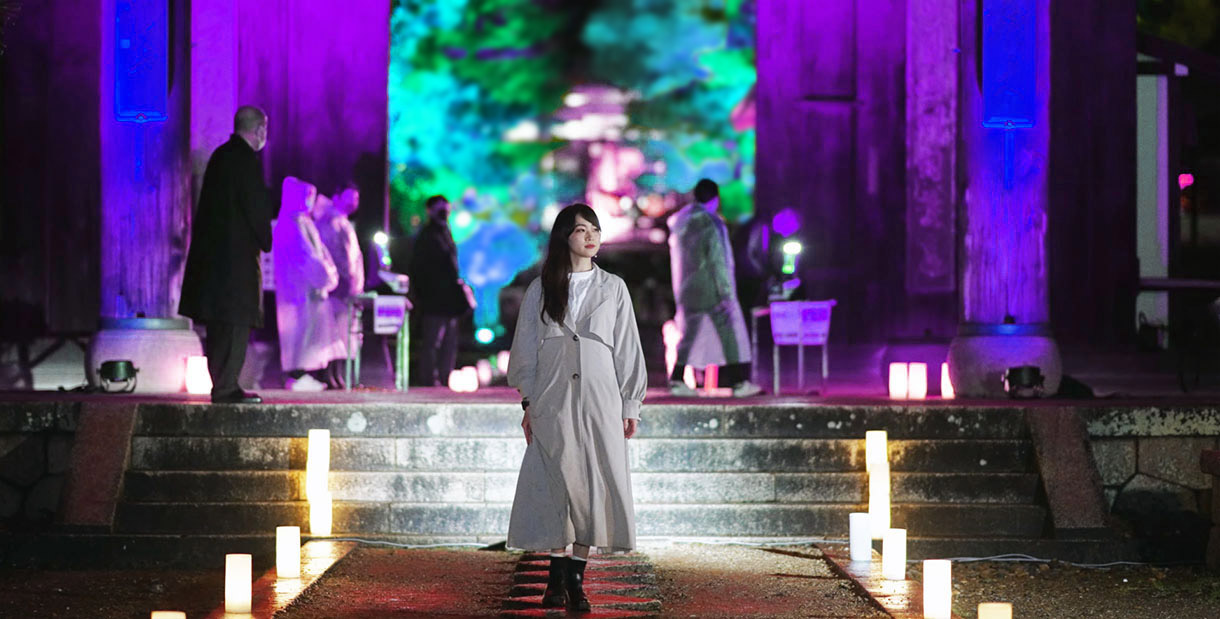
629	427
525	425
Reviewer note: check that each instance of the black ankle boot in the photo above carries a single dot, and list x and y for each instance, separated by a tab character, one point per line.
575	585
555	596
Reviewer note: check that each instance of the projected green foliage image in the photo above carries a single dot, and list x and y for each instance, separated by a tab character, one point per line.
481	110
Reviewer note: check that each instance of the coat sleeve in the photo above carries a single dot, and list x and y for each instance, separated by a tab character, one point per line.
355	260
718	258
523	358
253	205
629	364
317	264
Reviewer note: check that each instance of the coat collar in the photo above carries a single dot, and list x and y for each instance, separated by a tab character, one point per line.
596	296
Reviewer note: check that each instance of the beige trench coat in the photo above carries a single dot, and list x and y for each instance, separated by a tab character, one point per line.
582	380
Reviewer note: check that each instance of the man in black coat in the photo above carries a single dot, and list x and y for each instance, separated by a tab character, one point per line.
438	294
223	284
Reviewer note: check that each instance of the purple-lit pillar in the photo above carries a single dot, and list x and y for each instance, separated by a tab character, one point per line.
1004	284
145	190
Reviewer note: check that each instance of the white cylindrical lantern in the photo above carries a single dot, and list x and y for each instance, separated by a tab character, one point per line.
472	378
938	589
320	515
898	381
288	552
894	554
917	381
861	538
168	614
995	610
317	463
237	583
502	359
875	448
198	380
483	367
879	499
946	385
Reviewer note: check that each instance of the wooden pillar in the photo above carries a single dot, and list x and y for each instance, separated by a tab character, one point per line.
145	197
1004	172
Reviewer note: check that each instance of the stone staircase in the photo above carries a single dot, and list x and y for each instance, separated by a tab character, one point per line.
965	478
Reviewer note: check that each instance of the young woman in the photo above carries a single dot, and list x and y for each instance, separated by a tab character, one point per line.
576	360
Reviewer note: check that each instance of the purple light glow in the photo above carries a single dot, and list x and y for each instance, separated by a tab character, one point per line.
786	222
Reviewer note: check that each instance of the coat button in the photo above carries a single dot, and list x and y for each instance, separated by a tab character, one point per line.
575	338
575	376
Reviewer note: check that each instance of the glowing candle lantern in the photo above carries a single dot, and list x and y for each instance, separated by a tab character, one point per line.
288	552
859	529
483	367
995	610
168	614
937	589
946	385
917	381
875	449
879	499
237	583
320	515
711	378
894	554
198	380
502	359
898	381
464	380
688	377
472	378
317	463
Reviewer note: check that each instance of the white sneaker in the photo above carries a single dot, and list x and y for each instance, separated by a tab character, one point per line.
305	383
746	389
681	389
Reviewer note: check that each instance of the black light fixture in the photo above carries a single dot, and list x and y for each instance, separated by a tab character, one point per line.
118	371
1023	381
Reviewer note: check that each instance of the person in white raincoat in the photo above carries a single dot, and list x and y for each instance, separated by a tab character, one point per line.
709	316
577	361
304	276
339	237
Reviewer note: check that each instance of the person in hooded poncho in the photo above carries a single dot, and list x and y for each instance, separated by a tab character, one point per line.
339	237
577	361
304	276
709	316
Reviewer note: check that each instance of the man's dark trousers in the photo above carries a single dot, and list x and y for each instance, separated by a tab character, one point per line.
226	351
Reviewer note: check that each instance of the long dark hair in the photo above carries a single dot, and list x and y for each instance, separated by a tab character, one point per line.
558	265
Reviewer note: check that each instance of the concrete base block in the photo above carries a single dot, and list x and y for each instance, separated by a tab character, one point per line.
980	354
158	352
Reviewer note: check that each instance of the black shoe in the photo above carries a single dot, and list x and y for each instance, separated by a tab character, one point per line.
575	585
555	596
237	397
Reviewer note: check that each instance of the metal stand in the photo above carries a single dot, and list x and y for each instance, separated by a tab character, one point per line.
760	312
355	339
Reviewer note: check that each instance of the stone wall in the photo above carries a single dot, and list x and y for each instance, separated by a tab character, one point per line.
1149	464
35	453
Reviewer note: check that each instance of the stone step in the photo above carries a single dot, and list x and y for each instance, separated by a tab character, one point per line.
739	419
647	455
648	488
774	519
